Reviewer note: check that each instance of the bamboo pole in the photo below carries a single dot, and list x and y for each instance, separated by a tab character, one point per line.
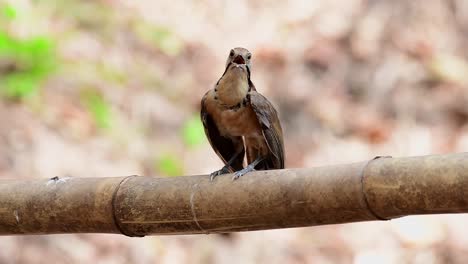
380	189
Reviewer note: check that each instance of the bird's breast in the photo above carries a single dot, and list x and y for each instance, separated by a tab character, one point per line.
232	122
240	122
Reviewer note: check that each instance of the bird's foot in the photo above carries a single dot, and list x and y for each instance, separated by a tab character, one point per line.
245	170
222	171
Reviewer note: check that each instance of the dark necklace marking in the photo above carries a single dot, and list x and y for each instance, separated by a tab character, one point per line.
236	106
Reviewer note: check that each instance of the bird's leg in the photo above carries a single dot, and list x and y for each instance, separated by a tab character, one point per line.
225	169
249	168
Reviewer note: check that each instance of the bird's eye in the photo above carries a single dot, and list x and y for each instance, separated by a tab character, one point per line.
231	53
249	56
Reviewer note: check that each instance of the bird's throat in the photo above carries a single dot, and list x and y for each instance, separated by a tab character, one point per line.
233	86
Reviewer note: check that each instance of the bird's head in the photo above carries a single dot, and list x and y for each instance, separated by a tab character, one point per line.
239	57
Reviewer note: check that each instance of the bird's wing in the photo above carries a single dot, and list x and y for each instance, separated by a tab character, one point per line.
252	86
271	128
224	147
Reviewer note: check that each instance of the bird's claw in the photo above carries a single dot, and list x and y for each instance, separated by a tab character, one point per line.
242	172
222	171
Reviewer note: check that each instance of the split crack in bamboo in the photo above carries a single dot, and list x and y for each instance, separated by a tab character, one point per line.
192	207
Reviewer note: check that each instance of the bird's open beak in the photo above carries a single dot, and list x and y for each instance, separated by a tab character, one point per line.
239	59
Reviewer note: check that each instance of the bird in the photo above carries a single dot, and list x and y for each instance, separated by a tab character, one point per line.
239	121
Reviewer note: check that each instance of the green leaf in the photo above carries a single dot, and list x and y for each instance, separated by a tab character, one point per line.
9	12
20	85
193	132
163	38
98	107
27	63
170	165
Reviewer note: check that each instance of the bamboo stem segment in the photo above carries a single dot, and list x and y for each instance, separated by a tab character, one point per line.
380	189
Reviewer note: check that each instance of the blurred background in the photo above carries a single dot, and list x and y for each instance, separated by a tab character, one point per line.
113	87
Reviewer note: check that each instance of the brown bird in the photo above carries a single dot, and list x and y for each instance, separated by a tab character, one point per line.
238	120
